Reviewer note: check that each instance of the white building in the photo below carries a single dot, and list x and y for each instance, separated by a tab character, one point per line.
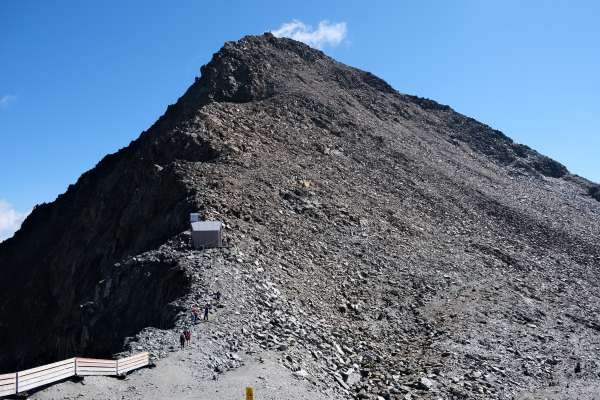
207	234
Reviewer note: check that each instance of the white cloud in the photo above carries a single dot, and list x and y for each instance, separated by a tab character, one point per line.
10	220
326	34
6	100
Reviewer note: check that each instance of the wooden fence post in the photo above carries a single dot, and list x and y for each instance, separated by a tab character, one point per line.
17	383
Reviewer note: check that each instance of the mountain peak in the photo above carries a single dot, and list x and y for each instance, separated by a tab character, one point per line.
258	67
352	212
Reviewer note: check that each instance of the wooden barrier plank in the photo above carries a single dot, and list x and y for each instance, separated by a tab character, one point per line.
90	364
94	360
47	381
47	366
45	377
133	358
123	364
6	381
96	373
35	375
132	367
97	365
88	369
144	354
8	390
8	387
8	376
132	362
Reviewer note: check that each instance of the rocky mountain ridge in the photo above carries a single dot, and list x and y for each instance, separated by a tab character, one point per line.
439	256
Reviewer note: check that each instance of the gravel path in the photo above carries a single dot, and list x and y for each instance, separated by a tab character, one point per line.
175	378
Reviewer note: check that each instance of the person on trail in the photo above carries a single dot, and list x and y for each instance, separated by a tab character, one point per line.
206	308
195	317
218	296
182	340
188	335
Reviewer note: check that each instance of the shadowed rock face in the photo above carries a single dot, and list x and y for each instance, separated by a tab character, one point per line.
124	206
419	219
595	192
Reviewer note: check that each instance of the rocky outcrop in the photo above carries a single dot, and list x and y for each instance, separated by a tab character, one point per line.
131	202
595	192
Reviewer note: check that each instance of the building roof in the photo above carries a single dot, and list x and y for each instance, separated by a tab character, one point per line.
204	226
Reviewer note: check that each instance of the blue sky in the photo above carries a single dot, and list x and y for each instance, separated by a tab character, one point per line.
80	79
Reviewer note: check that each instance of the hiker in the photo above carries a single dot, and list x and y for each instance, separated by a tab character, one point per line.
182	340
194	315
218	296
206	308
188	335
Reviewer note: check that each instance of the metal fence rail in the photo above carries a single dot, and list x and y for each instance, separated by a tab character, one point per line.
32	378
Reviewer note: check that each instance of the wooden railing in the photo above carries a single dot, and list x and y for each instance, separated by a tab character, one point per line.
22	381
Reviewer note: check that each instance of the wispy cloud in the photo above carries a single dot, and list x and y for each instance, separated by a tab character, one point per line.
6	99
326	33
10	220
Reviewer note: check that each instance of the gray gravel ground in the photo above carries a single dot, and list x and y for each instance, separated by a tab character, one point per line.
175	378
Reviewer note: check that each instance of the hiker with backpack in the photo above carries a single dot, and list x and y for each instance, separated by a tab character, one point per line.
194	315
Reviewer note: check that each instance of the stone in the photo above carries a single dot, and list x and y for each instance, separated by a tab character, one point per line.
340	380
301	374
426	383
351	377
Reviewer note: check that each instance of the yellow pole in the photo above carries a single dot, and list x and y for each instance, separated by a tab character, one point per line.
249	393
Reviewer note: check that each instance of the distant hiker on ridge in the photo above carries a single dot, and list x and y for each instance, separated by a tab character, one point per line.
188	335
182	340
